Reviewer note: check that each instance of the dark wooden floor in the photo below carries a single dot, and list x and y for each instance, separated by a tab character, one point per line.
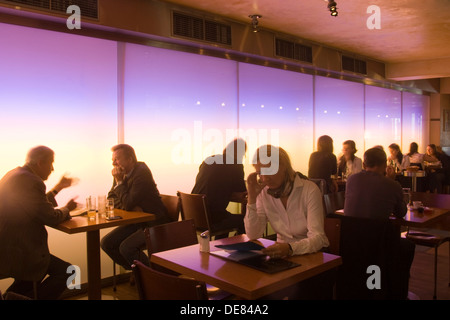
421	282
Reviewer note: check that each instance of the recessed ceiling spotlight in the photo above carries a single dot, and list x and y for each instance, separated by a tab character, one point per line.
255	21
332	6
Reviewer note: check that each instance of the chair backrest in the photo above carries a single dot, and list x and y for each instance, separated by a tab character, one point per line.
364	243
193	206
154	285
332	227
334	201
321	183
170	235
172	204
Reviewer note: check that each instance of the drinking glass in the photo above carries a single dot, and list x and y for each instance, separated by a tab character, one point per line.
91	207
109	208
101	206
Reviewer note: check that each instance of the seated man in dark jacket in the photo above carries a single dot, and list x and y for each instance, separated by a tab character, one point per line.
133	189
25	210
373	195
221	179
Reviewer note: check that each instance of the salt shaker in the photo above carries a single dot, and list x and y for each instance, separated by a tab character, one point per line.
204	241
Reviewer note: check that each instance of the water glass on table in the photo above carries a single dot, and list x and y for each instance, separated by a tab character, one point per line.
102	206
109	208
91	207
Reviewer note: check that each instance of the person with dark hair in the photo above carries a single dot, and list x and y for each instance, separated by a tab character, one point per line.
221	179
349	163
396	158
25	210
134	189
323	163
372	194
415	158
434	165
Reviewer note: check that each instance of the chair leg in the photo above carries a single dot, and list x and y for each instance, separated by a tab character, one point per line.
114	277
435	271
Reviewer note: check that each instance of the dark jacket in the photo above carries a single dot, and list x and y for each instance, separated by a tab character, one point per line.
25	210
138	192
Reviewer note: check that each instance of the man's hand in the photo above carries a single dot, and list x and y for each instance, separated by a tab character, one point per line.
65	182
118	173
71	205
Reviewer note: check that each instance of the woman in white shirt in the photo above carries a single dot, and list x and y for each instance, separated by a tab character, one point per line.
396	158
291	203
348	163
415	158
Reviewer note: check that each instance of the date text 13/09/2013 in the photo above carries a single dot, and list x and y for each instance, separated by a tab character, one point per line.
231	309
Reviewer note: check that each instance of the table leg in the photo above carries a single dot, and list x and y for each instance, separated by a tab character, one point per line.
93	265
414	183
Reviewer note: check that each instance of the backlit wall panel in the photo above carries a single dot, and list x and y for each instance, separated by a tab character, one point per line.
59	90
275	107
415	121
383	113
339	112
179	109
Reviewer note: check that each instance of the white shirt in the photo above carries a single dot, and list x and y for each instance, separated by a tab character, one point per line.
301	224
354	166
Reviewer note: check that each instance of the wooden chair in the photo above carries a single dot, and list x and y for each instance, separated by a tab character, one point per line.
174	235
364	243
431	241
333	201
332	227
172	204
194	206
154	285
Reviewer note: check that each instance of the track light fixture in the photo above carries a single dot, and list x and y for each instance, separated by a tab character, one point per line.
332	7
255	21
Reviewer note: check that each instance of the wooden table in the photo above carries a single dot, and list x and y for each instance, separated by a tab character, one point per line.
92	229
238	279
438	209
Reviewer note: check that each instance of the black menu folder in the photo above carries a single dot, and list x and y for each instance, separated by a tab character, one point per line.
251	256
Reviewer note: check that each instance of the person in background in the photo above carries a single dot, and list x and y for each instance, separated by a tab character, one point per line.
293	206
323	163
134	189
221	179
396	158
25	210
415	158
349	163
435	168
373	195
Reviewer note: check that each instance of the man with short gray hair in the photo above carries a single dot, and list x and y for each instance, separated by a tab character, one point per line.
25	210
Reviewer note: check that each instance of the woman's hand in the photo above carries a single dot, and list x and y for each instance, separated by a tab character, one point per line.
278	250
254	187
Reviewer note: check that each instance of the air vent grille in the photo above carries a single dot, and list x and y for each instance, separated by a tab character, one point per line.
292	50
200	29
88	8
354	65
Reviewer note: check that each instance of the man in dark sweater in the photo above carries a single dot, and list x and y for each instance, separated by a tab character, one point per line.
373	194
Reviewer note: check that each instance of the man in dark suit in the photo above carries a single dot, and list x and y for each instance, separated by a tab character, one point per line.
25	210
134	189
221	179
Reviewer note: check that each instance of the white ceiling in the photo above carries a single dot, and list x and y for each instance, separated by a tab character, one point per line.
411	30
